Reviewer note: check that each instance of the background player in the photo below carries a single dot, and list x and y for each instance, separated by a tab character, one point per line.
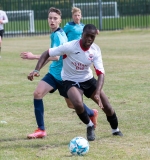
3	20
74	28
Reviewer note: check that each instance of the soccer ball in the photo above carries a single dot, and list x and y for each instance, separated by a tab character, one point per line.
79	146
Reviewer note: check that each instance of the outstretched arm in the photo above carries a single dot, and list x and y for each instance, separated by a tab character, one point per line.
31	56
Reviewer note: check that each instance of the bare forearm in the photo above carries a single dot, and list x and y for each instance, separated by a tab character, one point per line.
43	58
49	59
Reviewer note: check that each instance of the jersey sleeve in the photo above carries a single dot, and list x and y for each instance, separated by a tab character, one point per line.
5	18
58	51
98	62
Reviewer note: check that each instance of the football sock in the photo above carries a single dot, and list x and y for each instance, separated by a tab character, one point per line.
90	124
39	113
84	117
89	111
115	130
113	121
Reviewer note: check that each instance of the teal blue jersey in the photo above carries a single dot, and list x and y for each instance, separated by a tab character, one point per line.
57	38
73	30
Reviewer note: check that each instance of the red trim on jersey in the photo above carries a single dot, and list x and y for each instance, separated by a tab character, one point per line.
64	56
97	71
84	49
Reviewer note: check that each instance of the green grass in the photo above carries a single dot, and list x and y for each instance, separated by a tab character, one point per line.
126	60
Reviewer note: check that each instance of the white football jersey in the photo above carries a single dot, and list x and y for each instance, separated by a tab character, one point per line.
4	18
77	61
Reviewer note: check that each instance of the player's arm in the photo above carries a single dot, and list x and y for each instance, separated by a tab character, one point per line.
52	52
42	60
99	69
5	19
31	56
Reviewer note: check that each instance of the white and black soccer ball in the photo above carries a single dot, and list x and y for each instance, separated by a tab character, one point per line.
79	146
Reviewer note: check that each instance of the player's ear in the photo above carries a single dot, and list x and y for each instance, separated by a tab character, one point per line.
60	20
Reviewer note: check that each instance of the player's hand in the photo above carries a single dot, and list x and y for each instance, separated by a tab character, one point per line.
32	75
1	22
27	55
99	102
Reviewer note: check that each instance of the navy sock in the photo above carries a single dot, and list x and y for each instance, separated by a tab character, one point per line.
89	111
39	113
113	121
84	117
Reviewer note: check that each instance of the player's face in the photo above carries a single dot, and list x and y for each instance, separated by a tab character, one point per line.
76	17
88	38
54	20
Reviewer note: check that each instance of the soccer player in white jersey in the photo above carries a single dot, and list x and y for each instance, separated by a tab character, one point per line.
78	79
52	80
3	20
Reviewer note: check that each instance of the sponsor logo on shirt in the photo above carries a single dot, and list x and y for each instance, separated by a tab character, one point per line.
90	57
79	66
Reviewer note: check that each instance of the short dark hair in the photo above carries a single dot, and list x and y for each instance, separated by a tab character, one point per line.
52	9
89	27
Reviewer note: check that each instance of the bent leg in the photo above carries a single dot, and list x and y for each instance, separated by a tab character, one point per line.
75	96
89	111
110	113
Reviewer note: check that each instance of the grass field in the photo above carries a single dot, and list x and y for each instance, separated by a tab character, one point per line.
126	57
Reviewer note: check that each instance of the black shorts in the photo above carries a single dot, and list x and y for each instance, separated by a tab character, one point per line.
2	33
56	84
88	87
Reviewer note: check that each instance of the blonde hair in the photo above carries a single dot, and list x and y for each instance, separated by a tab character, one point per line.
75	9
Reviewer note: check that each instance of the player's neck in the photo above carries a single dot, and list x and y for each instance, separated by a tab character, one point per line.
82	46
54	29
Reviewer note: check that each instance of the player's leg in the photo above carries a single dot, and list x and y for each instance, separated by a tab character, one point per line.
75	96
92	113
1	37
108	110
45	85
110	113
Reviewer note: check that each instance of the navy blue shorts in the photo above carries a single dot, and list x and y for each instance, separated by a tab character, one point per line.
56	84
88	87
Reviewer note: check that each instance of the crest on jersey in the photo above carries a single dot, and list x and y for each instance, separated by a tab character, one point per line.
91	57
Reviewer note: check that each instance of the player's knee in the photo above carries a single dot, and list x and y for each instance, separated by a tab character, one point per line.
37	95
70	106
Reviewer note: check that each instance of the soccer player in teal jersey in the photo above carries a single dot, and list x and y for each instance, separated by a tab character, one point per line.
74	28
52	80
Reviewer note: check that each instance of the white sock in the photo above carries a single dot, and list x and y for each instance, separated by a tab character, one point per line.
90	124
115	130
